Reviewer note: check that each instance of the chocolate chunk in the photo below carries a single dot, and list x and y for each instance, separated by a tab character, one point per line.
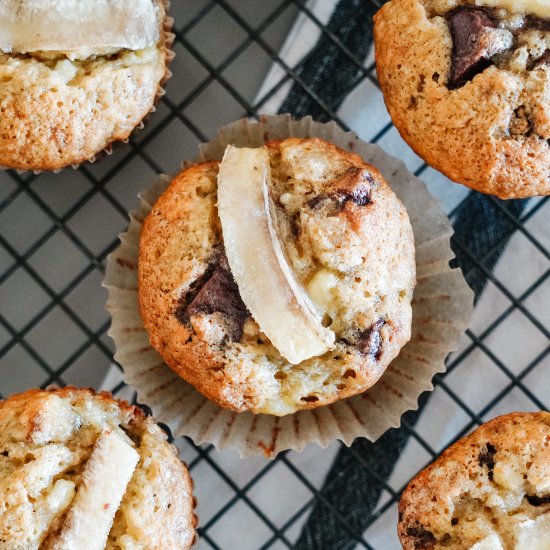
315	202
520	123
487	458
424	539
370	341
194	288
354	186
295	225
219	293
536	23
542	61
534	500
215	291
476	40
359	196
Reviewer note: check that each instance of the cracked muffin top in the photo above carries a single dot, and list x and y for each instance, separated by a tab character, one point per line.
83	470
467	85
67	96
488	491
347	245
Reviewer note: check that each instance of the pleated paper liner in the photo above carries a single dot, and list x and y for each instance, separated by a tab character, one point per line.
442	307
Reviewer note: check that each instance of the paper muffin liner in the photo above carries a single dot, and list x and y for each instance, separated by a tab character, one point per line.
168	38
442	307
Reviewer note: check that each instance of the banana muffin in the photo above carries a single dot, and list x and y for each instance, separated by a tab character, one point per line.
64	95
467	84
488	491
281	280
83	470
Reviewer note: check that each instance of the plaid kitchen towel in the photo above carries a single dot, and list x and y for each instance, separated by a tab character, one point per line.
343	498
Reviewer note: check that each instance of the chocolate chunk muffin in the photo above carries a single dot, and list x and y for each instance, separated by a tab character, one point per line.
467	85
346	239
83	470
490	490
66	96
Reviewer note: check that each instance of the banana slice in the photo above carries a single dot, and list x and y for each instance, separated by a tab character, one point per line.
492	542
72	25
98	498
266	283
540	8
534	534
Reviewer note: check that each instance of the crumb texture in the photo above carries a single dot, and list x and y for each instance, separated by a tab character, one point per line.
468	87
56	111
490	490
349	242
46	439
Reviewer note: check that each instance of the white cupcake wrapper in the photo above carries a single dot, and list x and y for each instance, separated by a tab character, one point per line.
442	308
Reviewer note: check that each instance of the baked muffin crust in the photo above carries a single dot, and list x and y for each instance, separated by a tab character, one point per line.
468	88
349	242
491	487
46	439
58	110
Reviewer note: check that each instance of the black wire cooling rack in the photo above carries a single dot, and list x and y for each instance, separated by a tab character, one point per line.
57	229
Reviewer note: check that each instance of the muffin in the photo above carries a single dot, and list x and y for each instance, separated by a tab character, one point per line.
83	470
288	296
467	84
488	491
66	96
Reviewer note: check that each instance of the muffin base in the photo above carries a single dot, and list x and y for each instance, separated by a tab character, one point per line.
490	480
467	132
47	439
442	306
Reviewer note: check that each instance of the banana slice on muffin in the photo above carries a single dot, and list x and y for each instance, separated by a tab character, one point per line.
467	84
49	25
83	470
281	280
67	94
282	309
488	491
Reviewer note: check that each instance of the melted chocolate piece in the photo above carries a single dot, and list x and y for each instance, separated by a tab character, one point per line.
354	186
360	196
476	40
315	202
520	123
542	61
295	225
487	458
219	293
215	291
533	22
534	500
194	288
425	540
370	341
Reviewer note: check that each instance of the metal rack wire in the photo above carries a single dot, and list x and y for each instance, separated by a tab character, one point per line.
82	212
